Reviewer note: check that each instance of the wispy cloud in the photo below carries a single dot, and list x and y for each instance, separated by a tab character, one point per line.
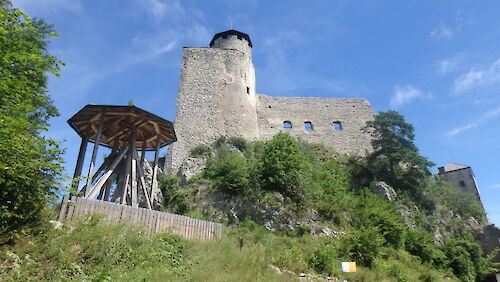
448	65
443	31
406	94
482	119
162	9
447	31
37	7
496	186
474	78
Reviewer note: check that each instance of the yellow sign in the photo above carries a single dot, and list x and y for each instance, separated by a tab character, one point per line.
349	266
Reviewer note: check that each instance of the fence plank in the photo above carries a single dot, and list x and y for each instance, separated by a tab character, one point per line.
150	221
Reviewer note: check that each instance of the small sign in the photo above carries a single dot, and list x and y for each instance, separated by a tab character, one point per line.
349	266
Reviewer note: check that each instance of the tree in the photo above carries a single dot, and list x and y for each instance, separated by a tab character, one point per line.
395	152
30	164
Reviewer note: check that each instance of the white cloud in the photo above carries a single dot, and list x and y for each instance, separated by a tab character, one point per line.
38	7
478	78
162	9
443	32
496	186
482	119
406	94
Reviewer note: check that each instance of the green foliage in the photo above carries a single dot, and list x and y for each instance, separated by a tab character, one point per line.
466	259
363	244
174	199
230	173
372	211
239	142
395	158
283	166
200	151
30	164
420	243
323	260
448	198
95	251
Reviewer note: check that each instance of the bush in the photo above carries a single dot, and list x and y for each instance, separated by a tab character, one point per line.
372	211
239	142
420	243
230	174
363	244
200	151
283	166
174	199
322	260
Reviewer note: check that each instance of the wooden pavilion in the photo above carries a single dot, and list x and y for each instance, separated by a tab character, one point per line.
121	177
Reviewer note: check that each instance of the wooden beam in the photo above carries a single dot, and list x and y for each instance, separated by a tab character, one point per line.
142	183
94	154
108	173
79	163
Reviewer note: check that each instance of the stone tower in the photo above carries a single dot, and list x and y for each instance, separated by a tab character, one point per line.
462	178
216	95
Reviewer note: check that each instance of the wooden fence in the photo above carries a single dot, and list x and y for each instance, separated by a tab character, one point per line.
152	221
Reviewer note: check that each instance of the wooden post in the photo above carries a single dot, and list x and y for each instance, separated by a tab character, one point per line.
94	154
133	171
79	164
154	181
126	177
64	207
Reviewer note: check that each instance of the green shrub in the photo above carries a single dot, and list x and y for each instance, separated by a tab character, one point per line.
420	243
230	173
372	211
283	166
200	151
239	142
363	244
323	258
174	199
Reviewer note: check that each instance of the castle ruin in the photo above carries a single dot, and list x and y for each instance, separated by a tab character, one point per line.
217	97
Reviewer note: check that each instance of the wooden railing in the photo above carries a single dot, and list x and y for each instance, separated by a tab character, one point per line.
152	221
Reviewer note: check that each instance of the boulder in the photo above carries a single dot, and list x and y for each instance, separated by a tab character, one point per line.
381	188
191	167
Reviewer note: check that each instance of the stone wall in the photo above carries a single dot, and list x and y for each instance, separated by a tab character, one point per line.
351	113
464	180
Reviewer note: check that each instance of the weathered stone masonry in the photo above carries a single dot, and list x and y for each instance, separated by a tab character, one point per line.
217	98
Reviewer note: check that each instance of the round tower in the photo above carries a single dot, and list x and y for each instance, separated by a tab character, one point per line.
216	95
232	39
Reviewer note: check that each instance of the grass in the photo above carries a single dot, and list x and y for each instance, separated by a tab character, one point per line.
99	251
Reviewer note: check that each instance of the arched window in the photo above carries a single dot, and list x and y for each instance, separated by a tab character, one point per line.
337	125
308	126
287	124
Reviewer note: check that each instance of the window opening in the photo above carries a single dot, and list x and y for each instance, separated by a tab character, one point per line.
337	125
248	90
308	126
287	124
462	183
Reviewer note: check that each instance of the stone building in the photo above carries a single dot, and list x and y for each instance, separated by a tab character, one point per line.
217	97
461	178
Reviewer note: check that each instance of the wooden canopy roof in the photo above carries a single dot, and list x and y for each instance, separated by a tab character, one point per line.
117	124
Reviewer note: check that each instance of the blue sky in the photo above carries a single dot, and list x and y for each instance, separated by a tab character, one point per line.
436	62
